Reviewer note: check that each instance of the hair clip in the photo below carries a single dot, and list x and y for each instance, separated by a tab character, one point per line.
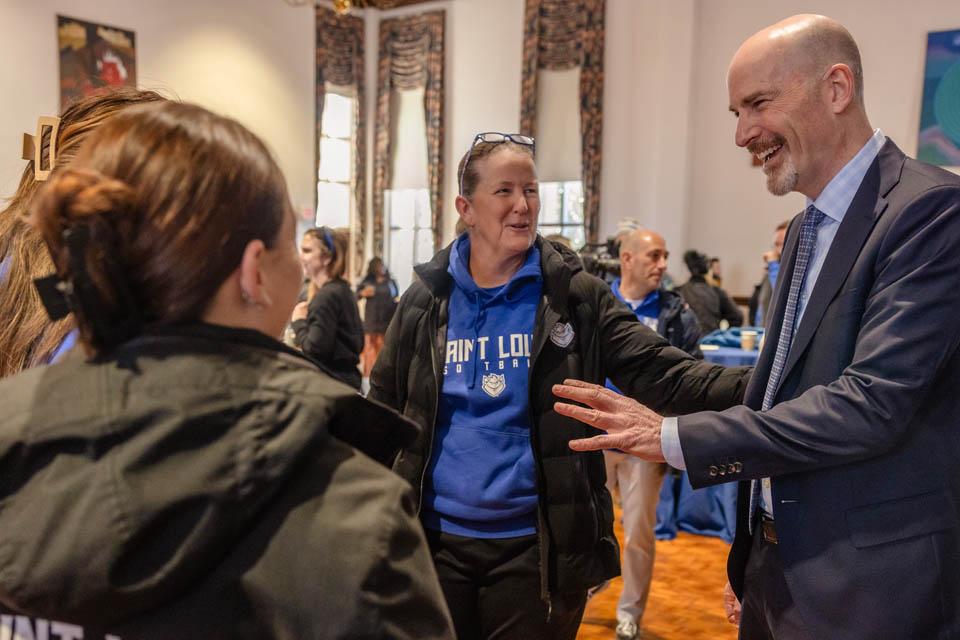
55	295
33	147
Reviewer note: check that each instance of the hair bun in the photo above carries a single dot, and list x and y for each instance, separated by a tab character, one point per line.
82	197
78	194
87	220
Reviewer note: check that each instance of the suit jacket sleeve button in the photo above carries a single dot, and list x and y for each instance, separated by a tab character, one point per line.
713	471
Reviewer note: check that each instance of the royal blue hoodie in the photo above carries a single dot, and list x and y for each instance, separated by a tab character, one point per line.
481	480
647	310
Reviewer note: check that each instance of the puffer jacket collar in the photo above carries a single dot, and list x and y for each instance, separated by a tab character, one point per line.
558	264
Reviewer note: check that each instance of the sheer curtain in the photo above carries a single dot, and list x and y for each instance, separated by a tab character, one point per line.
408	218
560	36
411	59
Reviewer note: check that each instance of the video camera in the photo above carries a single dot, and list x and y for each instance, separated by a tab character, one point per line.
602	259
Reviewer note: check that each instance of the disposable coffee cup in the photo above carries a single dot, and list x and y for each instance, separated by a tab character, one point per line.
748	340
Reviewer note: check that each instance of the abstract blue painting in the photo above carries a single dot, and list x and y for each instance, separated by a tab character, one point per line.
939	140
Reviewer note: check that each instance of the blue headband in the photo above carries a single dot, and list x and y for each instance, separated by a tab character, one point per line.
328	240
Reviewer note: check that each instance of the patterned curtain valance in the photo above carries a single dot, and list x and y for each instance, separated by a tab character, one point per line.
339	47
559	35
559	46
411	57
340	62
408	60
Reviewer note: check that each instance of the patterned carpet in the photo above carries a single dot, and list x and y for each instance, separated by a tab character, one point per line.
685	598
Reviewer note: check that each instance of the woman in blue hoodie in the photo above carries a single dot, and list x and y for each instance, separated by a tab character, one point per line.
519	525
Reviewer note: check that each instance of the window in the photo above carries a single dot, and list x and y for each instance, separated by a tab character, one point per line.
561	211
408	220
409	232
335	176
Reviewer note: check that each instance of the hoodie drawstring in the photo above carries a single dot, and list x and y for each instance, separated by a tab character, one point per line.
472	379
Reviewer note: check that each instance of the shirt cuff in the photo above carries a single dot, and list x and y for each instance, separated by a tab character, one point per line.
670	443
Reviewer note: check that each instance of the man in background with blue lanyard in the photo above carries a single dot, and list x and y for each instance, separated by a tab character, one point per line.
643	261
760	301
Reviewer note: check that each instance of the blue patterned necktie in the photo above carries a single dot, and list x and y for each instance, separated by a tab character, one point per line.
812	218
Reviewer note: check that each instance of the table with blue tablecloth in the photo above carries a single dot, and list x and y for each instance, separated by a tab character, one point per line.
729	356
710	511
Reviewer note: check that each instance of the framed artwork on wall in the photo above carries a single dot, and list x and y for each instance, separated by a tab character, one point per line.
939	139
93	56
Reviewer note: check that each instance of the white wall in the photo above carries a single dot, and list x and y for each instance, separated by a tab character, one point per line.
668	160
484	51
249	59
730	212
668	154
647	111
255	63
482	80
647	100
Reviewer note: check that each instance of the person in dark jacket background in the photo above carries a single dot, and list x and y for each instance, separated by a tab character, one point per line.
327	325
643	261
188	478
379	290
710	304
763	292
519	525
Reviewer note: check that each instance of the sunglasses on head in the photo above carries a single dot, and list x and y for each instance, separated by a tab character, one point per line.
494	137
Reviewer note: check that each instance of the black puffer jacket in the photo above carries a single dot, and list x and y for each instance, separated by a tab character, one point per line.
710	304
381	306
678	323
575	518
189	486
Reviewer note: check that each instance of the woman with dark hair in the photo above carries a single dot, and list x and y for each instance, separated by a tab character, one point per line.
327	325
27	335
519	525
183	474
710	304
379	289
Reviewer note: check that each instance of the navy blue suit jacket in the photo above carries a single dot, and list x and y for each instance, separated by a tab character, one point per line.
863	442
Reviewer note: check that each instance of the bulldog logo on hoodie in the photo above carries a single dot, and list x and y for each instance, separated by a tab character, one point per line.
493	384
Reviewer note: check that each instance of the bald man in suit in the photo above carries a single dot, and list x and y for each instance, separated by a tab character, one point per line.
847	445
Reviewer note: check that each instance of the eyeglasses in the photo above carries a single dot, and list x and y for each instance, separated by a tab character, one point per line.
496	138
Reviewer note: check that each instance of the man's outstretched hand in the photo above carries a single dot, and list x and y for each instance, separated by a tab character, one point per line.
731	606
630	426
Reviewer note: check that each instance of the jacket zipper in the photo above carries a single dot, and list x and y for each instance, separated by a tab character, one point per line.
542	542
434	342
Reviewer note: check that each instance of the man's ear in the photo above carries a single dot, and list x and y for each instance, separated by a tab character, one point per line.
841	87
252	287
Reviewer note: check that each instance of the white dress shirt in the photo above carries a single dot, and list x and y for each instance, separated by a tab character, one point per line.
833	201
